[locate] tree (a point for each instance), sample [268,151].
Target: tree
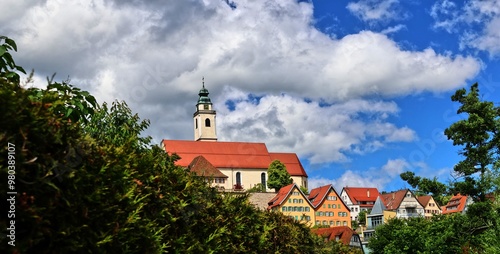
[479,136]
[426,186]
[87,182]
[362,217]
[278,176]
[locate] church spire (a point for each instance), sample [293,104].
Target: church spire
[204,117]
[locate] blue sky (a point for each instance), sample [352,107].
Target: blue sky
[360,89]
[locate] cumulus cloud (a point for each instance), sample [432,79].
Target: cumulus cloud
[153,55]
[373,177]
[322,133]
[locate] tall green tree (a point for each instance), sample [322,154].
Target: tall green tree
[278,176]
[479,136]
[427,186]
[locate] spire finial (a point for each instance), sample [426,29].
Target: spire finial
[203,81]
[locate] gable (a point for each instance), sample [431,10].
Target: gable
[361,194]
[284,194]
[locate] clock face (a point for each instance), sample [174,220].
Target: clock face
[205,106]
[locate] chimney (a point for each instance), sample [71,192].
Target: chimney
[368,192]
[393,195]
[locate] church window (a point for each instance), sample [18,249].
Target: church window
[196,123]
[238,174]
[207,122]
[263,180]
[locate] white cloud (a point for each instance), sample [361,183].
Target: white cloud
[153,54]
[476,22]
[393,29]
[320,133]
[373,177]
[375,10]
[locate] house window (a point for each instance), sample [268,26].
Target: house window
[283,209]
[345,223]
[334,206]
[338,223]
[317,222]
[324,222]
[331,223]
[263,180]
[238,175]
[207,122]
[307,209]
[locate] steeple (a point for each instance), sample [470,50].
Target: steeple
[204,117]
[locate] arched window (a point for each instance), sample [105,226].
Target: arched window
[263,180]
[207,122]
[238,174]
[196,122]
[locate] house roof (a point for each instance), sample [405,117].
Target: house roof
[378,207]
[202,167]
[283,193]
[318,195]
[232,155]
[393,200]
[362,194]
[457,201]
[343,233]
[424,200]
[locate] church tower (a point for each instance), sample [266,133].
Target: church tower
[204,117]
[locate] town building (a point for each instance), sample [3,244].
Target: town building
[342,234]
[244,164]
[359,199]
[431,208]
[292,202]
[404,203]
[457,204]
[378,215]
[329,208]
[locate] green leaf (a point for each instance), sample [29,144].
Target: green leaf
[11,43]
[2,50]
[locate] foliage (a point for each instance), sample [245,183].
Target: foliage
[362,217]
[304,190]
[8,67]
[479,135]
[278,176]
[88,183]
[426,186]
[257,188]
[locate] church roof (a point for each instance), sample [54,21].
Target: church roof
[291,161]
[232,155]
[202,167]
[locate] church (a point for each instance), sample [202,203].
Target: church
[229,166]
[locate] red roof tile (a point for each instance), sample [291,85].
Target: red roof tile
[343,233]
[317,195]
[291,161]
[232,155]
[393,200]
[362,194]
[455,205]
[202,167]
[283,193]
[424,200]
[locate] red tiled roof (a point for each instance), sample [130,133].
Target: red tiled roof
[232,155]
[457,201]
[202,167]
[393,200]
[317,195]
[360,194]
[291,161]
[283,193]
[424,200]
[342,232]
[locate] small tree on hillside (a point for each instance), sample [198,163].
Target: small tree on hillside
[278,175]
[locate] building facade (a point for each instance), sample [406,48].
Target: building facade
[329,208]
[292,202]
[404,203]
[359,199]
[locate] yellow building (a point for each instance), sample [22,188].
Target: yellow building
[431,208]
[329,208]
[292,202]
